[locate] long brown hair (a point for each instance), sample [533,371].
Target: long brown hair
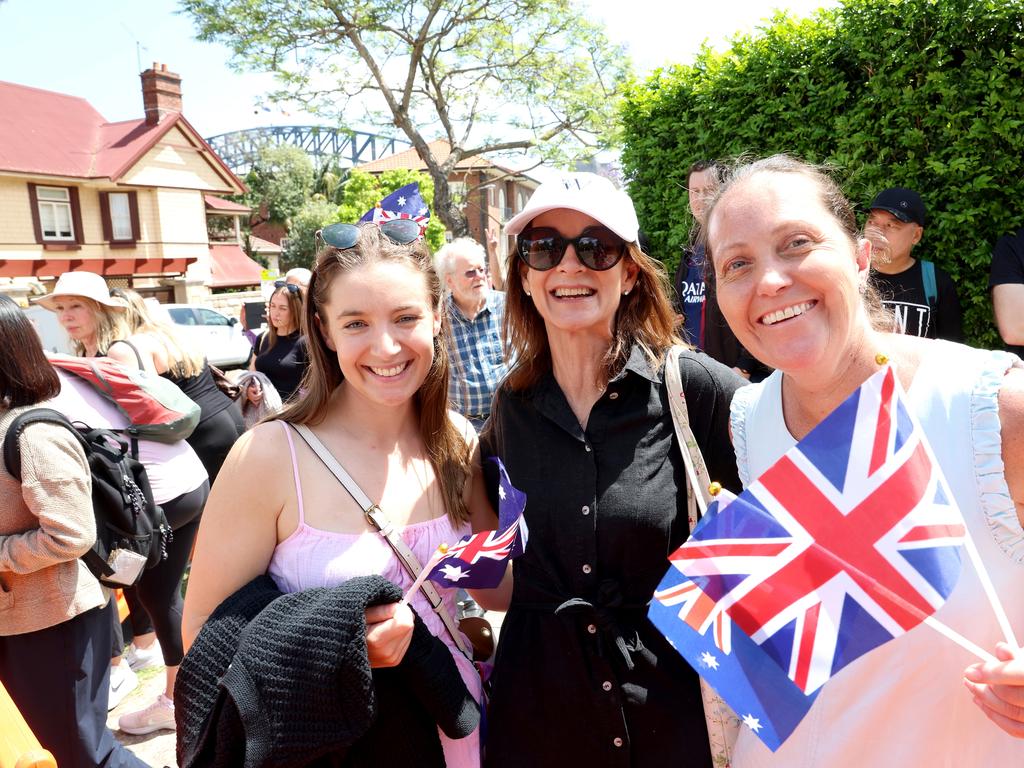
[295,302]
[644,317]
[446,447]
[26,376]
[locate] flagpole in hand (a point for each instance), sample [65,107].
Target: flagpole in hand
[442,550]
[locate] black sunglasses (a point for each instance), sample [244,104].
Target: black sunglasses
[398,231]
[292,287]
[597,248]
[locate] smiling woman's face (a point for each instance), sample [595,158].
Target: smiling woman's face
[787,272]
[570,297]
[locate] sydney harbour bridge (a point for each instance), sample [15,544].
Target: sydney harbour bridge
[347,148]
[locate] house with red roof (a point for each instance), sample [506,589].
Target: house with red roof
[127,200]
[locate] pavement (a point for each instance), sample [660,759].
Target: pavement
[157,748]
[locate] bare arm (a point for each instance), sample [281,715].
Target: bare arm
[1011,419]
[494,261]
[1008,303]
[239,530]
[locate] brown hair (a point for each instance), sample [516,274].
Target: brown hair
[834,201]
[446,447]
[26,376]
[644,317]
[182,361]
[295,302]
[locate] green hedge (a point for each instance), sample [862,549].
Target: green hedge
[916,93]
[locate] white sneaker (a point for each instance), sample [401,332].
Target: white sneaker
[144,658]
[122,682]
[157,716]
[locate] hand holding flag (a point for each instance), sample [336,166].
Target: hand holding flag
[849,540]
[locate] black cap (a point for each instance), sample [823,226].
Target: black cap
[904,204]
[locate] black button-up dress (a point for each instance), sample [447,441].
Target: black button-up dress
[581,676]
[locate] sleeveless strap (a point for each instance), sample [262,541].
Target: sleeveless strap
[295,471]
[376,517]
[721,722]
[134,349]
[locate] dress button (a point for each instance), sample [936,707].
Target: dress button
[585,510]
[606,685]
[617,741]
[588,449]
[591,629]
[586,568]
[613,396]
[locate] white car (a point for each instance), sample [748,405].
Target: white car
[219,336]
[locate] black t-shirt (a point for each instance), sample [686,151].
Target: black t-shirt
[285,363]
[1008,268]
[606,506]
[904,295]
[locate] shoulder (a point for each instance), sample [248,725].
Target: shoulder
[1009,247]
[701,373]
[262,448]
[465,428]
[48,451]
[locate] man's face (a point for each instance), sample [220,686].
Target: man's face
[900,236]
[468,279]
[701,186]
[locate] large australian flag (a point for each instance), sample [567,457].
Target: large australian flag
[849,540]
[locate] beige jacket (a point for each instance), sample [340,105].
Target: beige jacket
[46,523]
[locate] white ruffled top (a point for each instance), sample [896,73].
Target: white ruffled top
[904,703]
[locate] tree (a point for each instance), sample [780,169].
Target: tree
[488,75]
[917,93]
[280,182]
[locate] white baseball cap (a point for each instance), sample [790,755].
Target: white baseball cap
[587,193]
[86,284]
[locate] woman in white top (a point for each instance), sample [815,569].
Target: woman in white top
[791,273]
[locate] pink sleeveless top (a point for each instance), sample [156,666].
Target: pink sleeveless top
[311,557]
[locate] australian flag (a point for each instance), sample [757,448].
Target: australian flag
[404,203]
[479,561]
[851,539]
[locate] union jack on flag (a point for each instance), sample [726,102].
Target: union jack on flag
[849,540]
[479,561]
[403,203]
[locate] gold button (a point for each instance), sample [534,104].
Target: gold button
[613,396]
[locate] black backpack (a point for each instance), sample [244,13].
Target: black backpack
[131,530]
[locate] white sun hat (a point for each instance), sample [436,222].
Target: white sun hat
[86,284]
[587,193]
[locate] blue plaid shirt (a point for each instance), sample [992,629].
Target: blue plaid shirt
[478,363]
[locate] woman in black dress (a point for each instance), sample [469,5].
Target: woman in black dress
[281,352]
[583,425]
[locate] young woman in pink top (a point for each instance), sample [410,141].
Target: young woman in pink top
[376,396]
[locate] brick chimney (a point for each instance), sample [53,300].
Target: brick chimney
[161,92]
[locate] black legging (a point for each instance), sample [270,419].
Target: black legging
[159,589]
[214,436]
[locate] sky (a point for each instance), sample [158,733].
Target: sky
[97,48]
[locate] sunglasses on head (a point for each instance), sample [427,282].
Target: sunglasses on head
[597,248]
[345,236]
[292,287]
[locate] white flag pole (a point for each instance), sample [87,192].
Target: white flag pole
[990,591]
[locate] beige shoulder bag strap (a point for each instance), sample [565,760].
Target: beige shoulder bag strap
[722,723]
[376,517]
